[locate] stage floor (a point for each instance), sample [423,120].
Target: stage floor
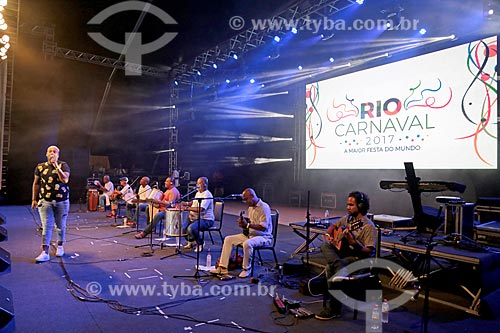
[137,293]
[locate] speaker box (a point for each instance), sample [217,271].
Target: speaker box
[490,305]
[3,234]
[4,260]
[6,307]
[293,267]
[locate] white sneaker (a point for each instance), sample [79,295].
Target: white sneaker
[245,273]
[44,256]
[60,251]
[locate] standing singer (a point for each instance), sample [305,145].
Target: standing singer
[50,193]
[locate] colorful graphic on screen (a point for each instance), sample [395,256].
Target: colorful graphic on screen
[437,110]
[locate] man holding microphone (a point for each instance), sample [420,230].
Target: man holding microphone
[50,193]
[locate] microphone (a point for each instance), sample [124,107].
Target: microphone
[197,187]
[236,196]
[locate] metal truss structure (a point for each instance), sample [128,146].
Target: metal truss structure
[301,14]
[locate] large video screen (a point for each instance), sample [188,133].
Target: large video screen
[438,110]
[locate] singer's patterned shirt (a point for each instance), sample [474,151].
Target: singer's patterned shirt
[51,187]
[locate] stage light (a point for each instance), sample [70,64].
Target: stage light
[452,37]
[176,82]
[491,12]
[360,2]
[235,56]
[252,80]
[228,81]
[277,39]
[331,60]
[423,31]
[198,72]
[294,31]
[299,68]
[214,66]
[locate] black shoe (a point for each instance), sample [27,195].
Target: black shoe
[327,314]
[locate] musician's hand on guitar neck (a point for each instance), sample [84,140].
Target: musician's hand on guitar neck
[350,237]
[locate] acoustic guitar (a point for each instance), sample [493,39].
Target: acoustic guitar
[246,231]
[339,233]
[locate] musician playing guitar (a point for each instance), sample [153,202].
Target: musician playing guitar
[349,239]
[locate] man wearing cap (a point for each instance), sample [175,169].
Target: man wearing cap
[126,193]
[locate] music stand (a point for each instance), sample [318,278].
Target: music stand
[149,254]
[196,274]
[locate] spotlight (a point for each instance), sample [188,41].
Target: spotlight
[228,81]
[176,82]
[294,31]
[214,66]
[299,68]
[235,56]
[491,12]
[360,2]
[252,80]
[198,73]
[277,39]
[331,59]
[423,31]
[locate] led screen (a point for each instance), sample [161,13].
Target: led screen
[437,110]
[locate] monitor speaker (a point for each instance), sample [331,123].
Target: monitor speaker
[6,307]
[4,260]
[3,234]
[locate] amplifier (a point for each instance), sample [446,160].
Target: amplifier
[393,222]
[488,233]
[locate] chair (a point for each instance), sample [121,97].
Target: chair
[274,218]
[218,215]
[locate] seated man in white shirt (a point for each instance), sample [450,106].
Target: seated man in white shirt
[126,194]
[106,190]
[257,231]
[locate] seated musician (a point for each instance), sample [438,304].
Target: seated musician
[126,193]
[168,200]
[141,196]
[201,215]
[106,190]
[257,231]
[349,239]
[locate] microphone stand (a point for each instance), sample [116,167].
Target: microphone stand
[308,230]
[196,274]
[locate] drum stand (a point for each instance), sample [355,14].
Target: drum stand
[196,274]
[178,247]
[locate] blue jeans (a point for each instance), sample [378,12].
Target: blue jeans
[193,233]
[160,216]
[102,201]
[144,207]
[53,213]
